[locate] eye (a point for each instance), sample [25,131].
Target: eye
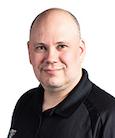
[62,46]
[40,48]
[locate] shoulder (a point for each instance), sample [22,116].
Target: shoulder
[26,101]
[101,108]
[102,101]
[27,96]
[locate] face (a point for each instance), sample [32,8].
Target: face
[56,53]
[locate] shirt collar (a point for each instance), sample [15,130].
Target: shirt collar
[72,101]
[75,97]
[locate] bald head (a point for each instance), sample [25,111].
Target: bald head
[50,14]
[55,45]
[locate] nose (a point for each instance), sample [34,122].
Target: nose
[52,56]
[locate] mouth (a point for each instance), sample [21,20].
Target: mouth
[52,71]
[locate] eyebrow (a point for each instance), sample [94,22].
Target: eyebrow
[58,43]
[40,43]
[61,42]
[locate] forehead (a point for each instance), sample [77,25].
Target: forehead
[54,22]
[54,12]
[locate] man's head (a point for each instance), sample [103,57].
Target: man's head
[46,12]
[56,50]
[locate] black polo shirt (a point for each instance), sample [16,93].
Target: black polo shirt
[87,112]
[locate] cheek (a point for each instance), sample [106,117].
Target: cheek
[35,59]
[71,58]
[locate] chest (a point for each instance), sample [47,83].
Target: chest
[78,125]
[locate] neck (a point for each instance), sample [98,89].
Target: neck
[52,99]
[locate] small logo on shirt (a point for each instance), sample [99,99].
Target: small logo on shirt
[12,133]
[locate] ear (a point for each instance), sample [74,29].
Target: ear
[82,49]
[29,51]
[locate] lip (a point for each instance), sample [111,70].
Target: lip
[51,71]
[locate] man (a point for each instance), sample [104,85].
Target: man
[66,104]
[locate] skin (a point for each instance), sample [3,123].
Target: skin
[56,52]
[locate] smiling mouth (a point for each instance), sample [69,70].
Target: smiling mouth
[51,71]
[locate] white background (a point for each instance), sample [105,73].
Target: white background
[97,19]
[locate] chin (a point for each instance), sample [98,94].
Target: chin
[53,85]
